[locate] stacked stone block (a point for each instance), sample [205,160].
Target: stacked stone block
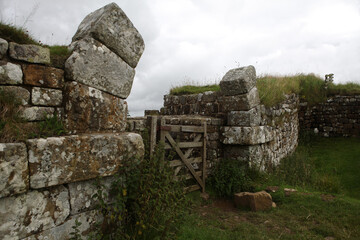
[338,116]
[46,184]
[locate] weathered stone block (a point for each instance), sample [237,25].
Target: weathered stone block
[32,212]
[247,135]
[94,65]
[29,53]
[238,81]
[42,76]
[88,221]
[244,118]
[3,47]
[37,113]
[14,173]
[242,102]
[81,194]
[21,93]
[58,160]
[46,96]
[258,201]
[88,109]
[10,74]
[112,27]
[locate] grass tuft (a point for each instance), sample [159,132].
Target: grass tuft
[58,55]
[189,89]
[19,35]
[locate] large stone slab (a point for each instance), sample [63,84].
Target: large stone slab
[3,47]
[243,102]
[58,160]
[88,109]
[32,212]
[10,73]
[249,118]
[238,81]
[14,172]
[94,65]
[247,135]
[37,113]
[20,93]
[112,27]
[46,96]
[81,194]
[42,76]
[29,53]
[88,223]
[259,201]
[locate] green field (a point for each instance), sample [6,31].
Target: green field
[310,213]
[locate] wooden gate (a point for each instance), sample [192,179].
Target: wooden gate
[184,150]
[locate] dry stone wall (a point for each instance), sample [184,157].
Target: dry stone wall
[338,116]
[48,183]
[251,132]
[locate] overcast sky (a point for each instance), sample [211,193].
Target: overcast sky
[198,41]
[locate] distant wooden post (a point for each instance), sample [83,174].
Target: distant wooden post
[153,125]
[204,156]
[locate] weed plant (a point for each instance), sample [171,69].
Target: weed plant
[146,201]
[19,35]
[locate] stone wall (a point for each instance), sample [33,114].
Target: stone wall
[48,183]
[338,116]
[251,132]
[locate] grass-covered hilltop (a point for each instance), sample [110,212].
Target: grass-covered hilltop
[311,88]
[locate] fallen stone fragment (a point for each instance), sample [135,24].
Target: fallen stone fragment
[59,160]
[10,74]
[46,96]
[3,47]
[43,76]
[112,27]
[238,81]
[29,53]
[14,172]
[94,65]
[32,212]
[272,189]
[289,191]
[259,201]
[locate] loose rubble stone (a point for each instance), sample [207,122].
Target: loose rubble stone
[81,194]
[32,212]
[3,47]
[29,53]
[289,191]
[88,222]
[21,93]
[10,74]
[242,102]
[46,96]
[112,27]
[247,135]
[37,113]
[238,81]
[14,173]
[89,109]
[94,65]
[249,118]
[42,76]
[58,160]
[258,201]
[272,189]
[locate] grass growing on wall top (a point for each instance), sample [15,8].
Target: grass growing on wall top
[309,87]
[11,33]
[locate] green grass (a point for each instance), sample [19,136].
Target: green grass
[309,87]
[11,33]
[189,89]
[327,204]
[16,34]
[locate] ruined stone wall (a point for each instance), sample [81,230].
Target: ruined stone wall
[251,132]
[48,183]
[338,116]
